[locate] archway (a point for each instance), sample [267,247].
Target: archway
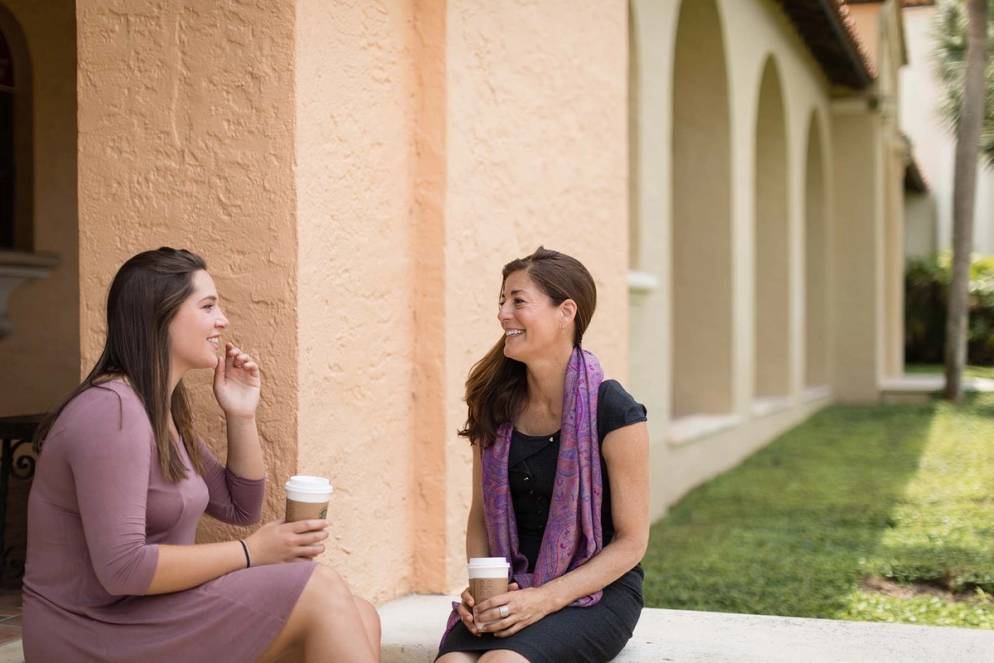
[701,238]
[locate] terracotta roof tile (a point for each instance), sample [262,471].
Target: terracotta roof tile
[904,3]
[828,30]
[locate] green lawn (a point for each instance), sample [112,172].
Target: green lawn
[882,513]
[969,371]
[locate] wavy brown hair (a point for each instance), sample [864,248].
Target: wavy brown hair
[146,293]
[497,387]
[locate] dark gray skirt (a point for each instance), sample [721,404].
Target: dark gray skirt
[586,635]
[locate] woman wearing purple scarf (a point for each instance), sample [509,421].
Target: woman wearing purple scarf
[560,481]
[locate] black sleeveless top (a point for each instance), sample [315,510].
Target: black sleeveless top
[532,468]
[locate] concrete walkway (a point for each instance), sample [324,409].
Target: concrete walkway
[920,387]
[413,625]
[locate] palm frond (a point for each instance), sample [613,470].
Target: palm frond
[949,64]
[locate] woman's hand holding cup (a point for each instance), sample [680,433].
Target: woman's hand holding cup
[278,541]
[465,610]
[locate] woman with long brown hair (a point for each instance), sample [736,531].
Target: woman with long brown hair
[560,481]
[113,572]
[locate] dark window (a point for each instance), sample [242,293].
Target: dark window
[7,159]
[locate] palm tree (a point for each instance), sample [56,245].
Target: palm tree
[967,111]
[949,37]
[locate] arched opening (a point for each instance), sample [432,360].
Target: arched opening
[701,235]
[16,162]
[772,242]
[815,262]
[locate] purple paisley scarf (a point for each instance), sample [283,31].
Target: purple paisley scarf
[573,530]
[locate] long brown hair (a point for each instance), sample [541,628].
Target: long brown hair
[146,293]
[497,387]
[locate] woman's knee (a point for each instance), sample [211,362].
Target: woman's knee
[458,657]
[326,576]
[502,656]
[326,590]
[369,615]
[324,594]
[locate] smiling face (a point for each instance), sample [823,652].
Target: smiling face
[195,331]
[534,325]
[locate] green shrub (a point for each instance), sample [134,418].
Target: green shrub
[926,285]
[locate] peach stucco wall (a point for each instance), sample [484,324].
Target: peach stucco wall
[40,359]
[357,175]
[435,143]
[356,106]
[186,139]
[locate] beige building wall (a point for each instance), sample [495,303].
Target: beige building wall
[857,262]
[921,224]
[881,28]
[45,313]
[651,47]
[688,450]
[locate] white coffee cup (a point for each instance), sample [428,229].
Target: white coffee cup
[307,497]
[487,577]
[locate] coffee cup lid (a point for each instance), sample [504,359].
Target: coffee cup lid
[489,561]
[304,483]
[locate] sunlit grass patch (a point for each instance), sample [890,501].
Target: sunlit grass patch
[870,513]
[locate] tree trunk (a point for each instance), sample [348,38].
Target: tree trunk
[964,189]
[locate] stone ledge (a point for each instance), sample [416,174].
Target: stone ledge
[697,426]
[11,652]
[767,405]
[923,385]
[413,625]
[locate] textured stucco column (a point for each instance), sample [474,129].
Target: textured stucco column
[432,396]
[858,251]
[186,139]
[368,410]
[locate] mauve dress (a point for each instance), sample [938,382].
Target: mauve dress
[99,507]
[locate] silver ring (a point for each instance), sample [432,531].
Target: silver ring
[504,612]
